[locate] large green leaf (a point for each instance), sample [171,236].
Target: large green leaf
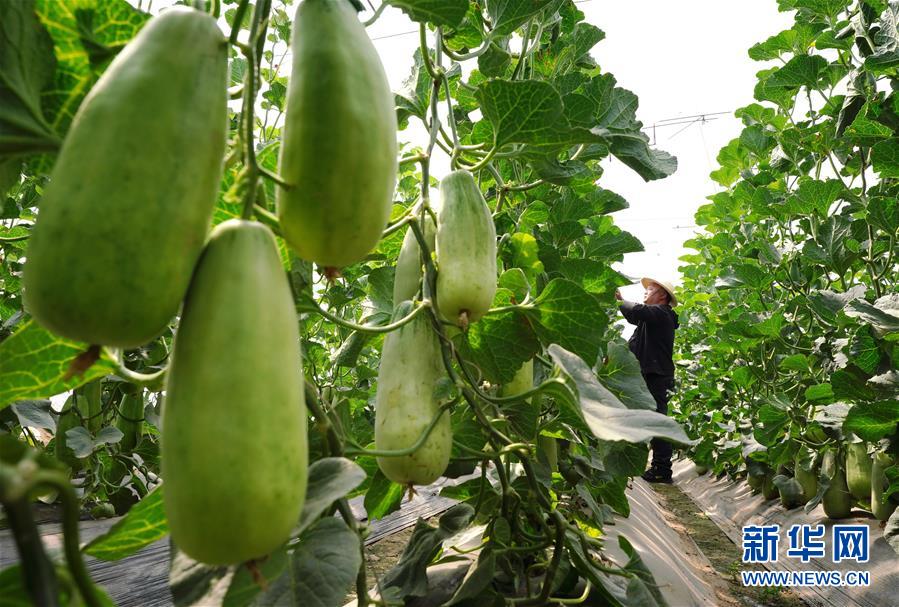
[27,65]
[873,421]
[144,524]
[621,373]
[36,364]
[500,342]
[508,15]
[438,12]
[320,569]
[86,35]
[882,316]
[605,415]
[408,577]
[329,479]
[567,315]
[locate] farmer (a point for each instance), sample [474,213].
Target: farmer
[653,343]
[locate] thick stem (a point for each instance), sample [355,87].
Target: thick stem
[37,569]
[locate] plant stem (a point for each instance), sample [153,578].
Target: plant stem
[412,448]
[238,20]
[37,569]
[314,307]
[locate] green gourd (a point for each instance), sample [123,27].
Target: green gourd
[837,501]
[466,250]
[234,446]
[410,368]
[858,471]
[123,219]
[129,419]
[805,473]
[881,509]
[407,279]
[338,146]
[769,489]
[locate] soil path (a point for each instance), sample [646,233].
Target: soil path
[688,520]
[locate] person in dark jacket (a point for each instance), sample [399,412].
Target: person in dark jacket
[653,344]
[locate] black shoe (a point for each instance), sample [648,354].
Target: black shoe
[654,475]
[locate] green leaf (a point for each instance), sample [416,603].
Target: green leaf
[650,164]
[329,479]
[882,316]
[819,392]
[885,157]
[408,577]
[815,196]
[85,37]
[611,244]
[883,213]
[625,459]
[82,444]
[780,84]
[477,580]
[495,61]
[383,497]
[14,593]
[796,40]
[35,364]
[416,92]
[524,253]
[501,342]
[605,415]
[35,413]
[873,421]
[567,315]
[27,65]
[621,374]
[322,567]
[531,112]
[795,362]
[194,583]
[247,584]
[439,12]
[508,15]
[864,352]
[593,276]
[144,524]
[642,585]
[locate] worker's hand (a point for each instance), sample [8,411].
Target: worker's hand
[617,294]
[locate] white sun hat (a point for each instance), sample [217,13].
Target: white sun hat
[669,287]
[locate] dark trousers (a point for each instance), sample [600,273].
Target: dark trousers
[659,386]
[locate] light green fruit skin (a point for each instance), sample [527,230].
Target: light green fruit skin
[807,478]
[129,420]
[522,381]
[882,511]
[89,402]
[407,279]
[769,489]
[837,501]
[234,446]
[124,217]
[466,249]
[339,138]
[700,469]
[858,471]
[410,368]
